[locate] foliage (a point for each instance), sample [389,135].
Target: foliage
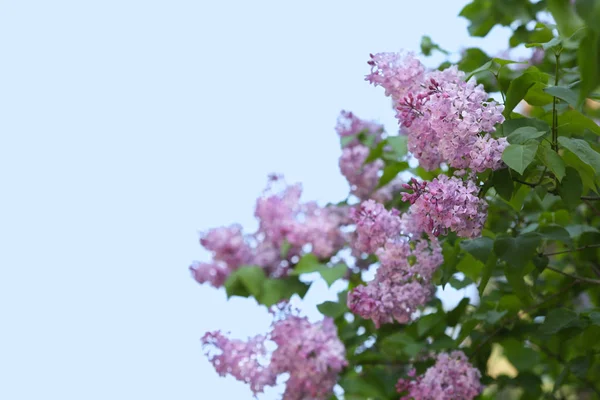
[533,331]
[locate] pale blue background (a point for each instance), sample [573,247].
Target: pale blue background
[128,125]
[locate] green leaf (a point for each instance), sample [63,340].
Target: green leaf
[470,266]
[588,57]
[473,57]
[491,316]
[485,67]
[546,45]
[575,123]
[310,263]
[519,87]
[427,322]
[564,15]
[503,183]
[595,317]
[577,230]
[390,172]
[556,233]
[540,34]
[332,274]
[403,342]
[570,188]
[589,178]
[523,358]
[427,46]
[560,379]
[564,93]
[580,366]
[487,272]
[552,160]
[275,290]
[514,276]
[346,140]
[376,152]
[518,198]
[480,247]
[448,268]
[524,134]
[458,284]
[307,264]
[537,97]
[510,125]
[453,317]
[582,149]
[443,342]
[558,319]
[332,309]
[358,389]
[504,61]
[518,156]
[540,262]
[589,11]
[245,281]
[517,252]
[398,145]
[285,248]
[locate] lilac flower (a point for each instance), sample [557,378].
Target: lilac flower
[402,282]
[276,214]
[228,245]
[374,225]
[397,73]
[215,273]
[384,301]
[310,353]
[452,377]
[486,152]
[321,229]
[363,178]
[448,204]
[282,219]
[442,114]
[349,125]
[242,360]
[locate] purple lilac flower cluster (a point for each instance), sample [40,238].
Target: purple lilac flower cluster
[282,219]
[447,204]
[452,377]
[447,120]
[443,115]
[310,353]
[407,262]
[363,178]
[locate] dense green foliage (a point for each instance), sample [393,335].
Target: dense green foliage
[535,331]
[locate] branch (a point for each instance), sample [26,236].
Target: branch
[590,205]
[593,198]
[554,113]
[589,246]
[525,183]
[577,277]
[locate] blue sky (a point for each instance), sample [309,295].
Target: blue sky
[127,126]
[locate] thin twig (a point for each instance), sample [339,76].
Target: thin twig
[525,183]
[554,113]
[590,205]
[577,277]
[592,198]
[589,246]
